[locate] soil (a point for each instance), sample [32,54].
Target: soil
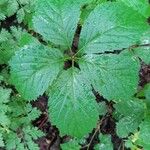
[8,22]
[144,75]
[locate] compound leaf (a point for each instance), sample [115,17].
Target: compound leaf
[4,98]
[4,118]
[74,102]
[22,113]
[72,106]
[24,141]
[12,140]
[34,68]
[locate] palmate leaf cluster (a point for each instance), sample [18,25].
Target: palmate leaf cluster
[107,27]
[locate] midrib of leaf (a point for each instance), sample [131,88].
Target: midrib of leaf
[73,92]
[73,79]
[61,108]
[65,36]
[74,100]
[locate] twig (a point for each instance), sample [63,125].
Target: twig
[97,130]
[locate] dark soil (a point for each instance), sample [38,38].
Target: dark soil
[144,75]
[75,42]
[8,22]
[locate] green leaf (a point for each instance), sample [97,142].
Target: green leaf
[29,10]
[133,113]
[4,118]
[147,92]
[10,42]
[25,2]
[105,143]
[33,132]
[88,7]
[24,139]
[102,108]
[71,145]
[71,98]
[72,106]
[4,95]
[22,113]
[2,16]
[127,125]
[12,7]
[111,27]
[56,21]
[1,141]
[4,99]
[142,6]
[144,51]
[129,143]
[20,15]
[113,76]
[8,8]
[5,48]
[144,134]
[11,140]
[34,68]
[1,78]
[2,2]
